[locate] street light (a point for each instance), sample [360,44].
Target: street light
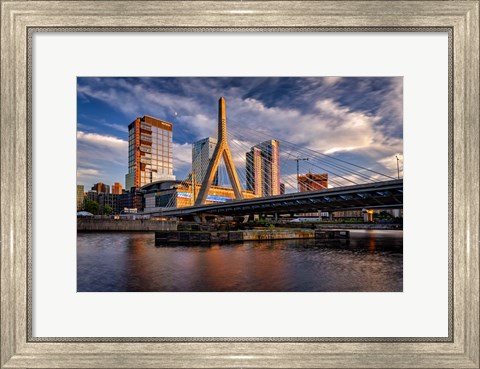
[298,171]
[398,168]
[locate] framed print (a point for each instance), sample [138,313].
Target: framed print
[240,184]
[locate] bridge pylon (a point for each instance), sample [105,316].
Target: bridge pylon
[221,150]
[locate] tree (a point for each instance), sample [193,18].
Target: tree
[385,215]
[107,210]
[92,207]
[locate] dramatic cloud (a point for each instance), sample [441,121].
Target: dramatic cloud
[100,158]
[358,120]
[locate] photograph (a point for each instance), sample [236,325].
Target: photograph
[239,184]
[238,171]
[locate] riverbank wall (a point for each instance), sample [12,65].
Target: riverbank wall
[377,226]
[124,225]
[185,237]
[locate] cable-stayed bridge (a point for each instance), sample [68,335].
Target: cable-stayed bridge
[388,194]
[268,176]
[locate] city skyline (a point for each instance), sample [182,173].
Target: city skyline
[352,118]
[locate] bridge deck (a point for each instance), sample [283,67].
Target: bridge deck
[386,194]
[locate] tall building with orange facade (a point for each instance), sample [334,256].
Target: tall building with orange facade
[149,152]
[313,182]
[117,188]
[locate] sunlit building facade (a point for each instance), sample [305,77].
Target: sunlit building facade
[149,152]
[178,194]
[117,188]
[101,187]
[313,182]
[80,197]
[263,169]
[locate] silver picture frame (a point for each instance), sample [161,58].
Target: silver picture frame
[19,22]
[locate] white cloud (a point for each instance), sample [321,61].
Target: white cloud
[87,172]
[330,81]
[182,153]
[330,128]
[88,176]
[94,147]
[182,160]
[95,151]
[102,140]
[199,124]
[118,127]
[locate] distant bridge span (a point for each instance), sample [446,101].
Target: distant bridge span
[386,194]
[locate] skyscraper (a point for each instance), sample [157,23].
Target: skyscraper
[202,152]
[263,168]
[254,171]
[149,152]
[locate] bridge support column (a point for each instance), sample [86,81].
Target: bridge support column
[367,215]
[221,150]
[200,218]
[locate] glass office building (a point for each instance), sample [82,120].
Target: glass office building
[202,152]
[149,152]
[263,169]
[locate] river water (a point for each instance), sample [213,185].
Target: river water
[371,260]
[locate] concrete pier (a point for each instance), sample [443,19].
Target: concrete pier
[331,234]
[189,237]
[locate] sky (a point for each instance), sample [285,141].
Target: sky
[355,119]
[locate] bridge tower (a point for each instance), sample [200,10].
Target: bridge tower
[221,150]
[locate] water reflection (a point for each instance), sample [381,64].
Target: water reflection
[368,261]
